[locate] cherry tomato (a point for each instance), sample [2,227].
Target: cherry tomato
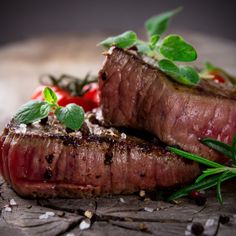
[217,77]
[88,101]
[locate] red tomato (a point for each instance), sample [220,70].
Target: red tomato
[217,77]
[88,101]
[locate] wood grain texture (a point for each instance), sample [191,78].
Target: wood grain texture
[116,217]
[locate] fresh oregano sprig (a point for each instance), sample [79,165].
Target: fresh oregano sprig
[72,115]
[166,52]
[213,176]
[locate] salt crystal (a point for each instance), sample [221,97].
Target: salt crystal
[12,202]
[46,215]
[148,209]
[122,200]
[43,216]
[85,224]
[7,208]
[70,234]
[209,222]
[123,136]
[21,129]
[50,213]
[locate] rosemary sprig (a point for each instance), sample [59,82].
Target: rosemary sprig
[213,176]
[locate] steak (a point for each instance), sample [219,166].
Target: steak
[43,160]
[137,95]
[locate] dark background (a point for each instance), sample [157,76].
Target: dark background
[23,19]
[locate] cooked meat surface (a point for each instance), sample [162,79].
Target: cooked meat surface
[135,94]
[42,160]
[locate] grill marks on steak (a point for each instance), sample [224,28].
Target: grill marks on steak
[46,162]
[137,95]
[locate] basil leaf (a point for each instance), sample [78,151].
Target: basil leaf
[32,111]
[175,48]
[182,74]
[50,96]
[154,39]
[125,40]
[159,23]
[72,116]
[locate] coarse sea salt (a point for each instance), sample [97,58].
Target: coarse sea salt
[46,215]
[85,224]
[122,200]
[21,129]
[7,208]
[148,209]
[70,234]
[12,202]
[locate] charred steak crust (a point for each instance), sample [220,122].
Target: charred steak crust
[45,162]
[139,96]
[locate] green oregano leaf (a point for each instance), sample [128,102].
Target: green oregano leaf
[32,111]
[209,67]
[188,75]
[175,48]
[169,68]
[125,40]
[72,116]
[159,23]
[182,74]
[154,39]
[50,96]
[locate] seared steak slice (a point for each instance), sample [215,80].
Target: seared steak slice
[135,94]
[45,161]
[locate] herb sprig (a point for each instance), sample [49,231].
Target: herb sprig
[72,116]
[213,176]
[166,52]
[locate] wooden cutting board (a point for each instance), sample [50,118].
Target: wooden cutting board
[21,64]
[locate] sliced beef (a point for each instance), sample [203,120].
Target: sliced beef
[135,94]
[45,161]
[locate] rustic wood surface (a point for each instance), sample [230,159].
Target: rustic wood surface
[118,215]
[21,64]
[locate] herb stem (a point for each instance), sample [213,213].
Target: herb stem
[195,157]
[206,184]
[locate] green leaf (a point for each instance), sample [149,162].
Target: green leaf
[32,111]
[50,96]
[125,40]
[154,39]
[234,148]
[175,48]
[219,146]
[209,67]
[218,187]
[144,48]
[182,74]
[208,172]
[72,116]
[188,75]
[169,68]
[194,157]
[159,23]
[206,184]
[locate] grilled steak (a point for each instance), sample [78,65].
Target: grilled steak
[42,160]
[135,94]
